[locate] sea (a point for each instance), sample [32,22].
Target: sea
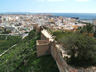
[82,16]
[89,17]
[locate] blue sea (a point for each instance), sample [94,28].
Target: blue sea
[82,16]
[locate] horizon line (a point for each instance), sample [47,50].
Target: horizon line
[43,12]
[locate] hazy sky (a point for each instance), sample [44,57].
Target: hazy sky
[63,6]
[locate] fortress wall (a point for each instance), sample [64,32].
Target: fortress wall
[51,48]
[43,50]
[42,47]
[46,47]
[61,63]
[43,37]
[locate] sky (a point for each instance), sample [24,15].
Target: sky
[48,6]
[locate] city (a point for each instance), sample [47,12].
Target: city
[49,26]
[47,36]
[21,24]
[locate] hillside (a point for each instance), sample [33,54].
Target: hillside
[23,58]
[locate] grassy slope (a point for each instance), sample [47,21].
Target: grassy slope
[7,43]
[59,34]
[4,45]
[23,58]
[35,64]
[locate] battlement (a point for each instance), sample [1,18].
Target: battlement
[43,47]
[47,45]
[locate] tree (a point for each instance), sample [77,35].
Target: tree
[95,34]
[82,49]
[88,28]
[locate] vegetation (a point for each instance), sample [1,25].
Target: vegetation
[59,35]
[23,58]
[4,31]
[8,41]
[81,48]
[95,34]
[87,29]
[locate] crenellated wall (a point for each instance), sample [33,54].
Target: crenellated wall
[43,47]
[57,55]
[47,45]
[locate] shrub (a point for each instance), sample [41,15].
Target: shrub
[87,29]
[82,49]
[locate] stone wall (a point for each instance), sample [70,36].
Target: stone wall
[61,63]
[43,47]
[50,48]
[36,27]
[43,37]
